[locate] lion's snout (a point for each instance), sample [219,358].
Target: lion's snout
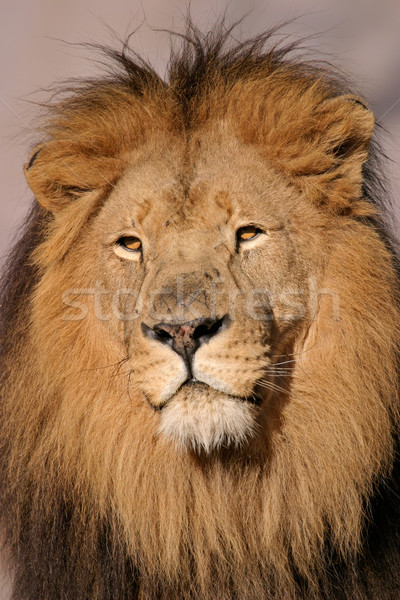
[194,325]
[186,295]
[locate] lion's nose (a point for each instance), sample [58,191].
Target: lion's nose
[185,338]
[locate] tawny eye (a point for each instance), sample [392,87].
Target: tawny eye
[245,234]
[133,244]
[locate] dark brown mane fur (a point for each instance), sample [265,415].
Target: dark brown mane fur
[61,545]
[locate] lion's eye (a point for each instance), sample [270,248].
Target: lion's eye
[128,247]
[133,244]
[245,234]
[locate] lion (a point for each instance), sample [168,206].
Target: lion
[200,338]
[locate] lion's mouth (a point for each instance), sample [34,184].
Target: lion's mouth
[195,388]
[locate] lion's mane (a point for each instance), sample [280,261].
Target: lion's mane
[93,504]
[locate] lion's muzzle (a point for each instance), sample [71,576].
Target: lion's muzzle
[186,338]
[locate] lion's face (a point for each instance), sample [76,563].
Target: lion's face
[202,281]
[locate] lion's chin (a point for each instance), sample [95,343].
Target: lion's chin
[200,418]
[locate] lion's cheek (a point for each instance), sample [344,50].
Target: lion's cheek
[227,372]
[160,376]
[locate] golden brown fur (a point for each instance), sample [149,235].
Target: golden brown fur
[209,496]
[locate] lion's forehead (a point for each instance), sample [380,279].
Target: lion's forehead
[196,189]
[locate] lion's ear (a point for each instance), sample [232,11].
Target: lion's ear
[347,126]
[338,147]
[60,171]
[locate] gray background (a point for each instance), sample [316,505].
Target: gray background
[361,36]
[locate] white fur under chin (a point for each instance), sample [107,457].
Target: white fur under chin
[207,423]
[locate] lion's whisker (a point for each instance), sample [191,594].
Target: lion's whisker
[270,385]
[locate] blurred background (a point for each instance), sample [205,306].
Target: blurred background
[360,36]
